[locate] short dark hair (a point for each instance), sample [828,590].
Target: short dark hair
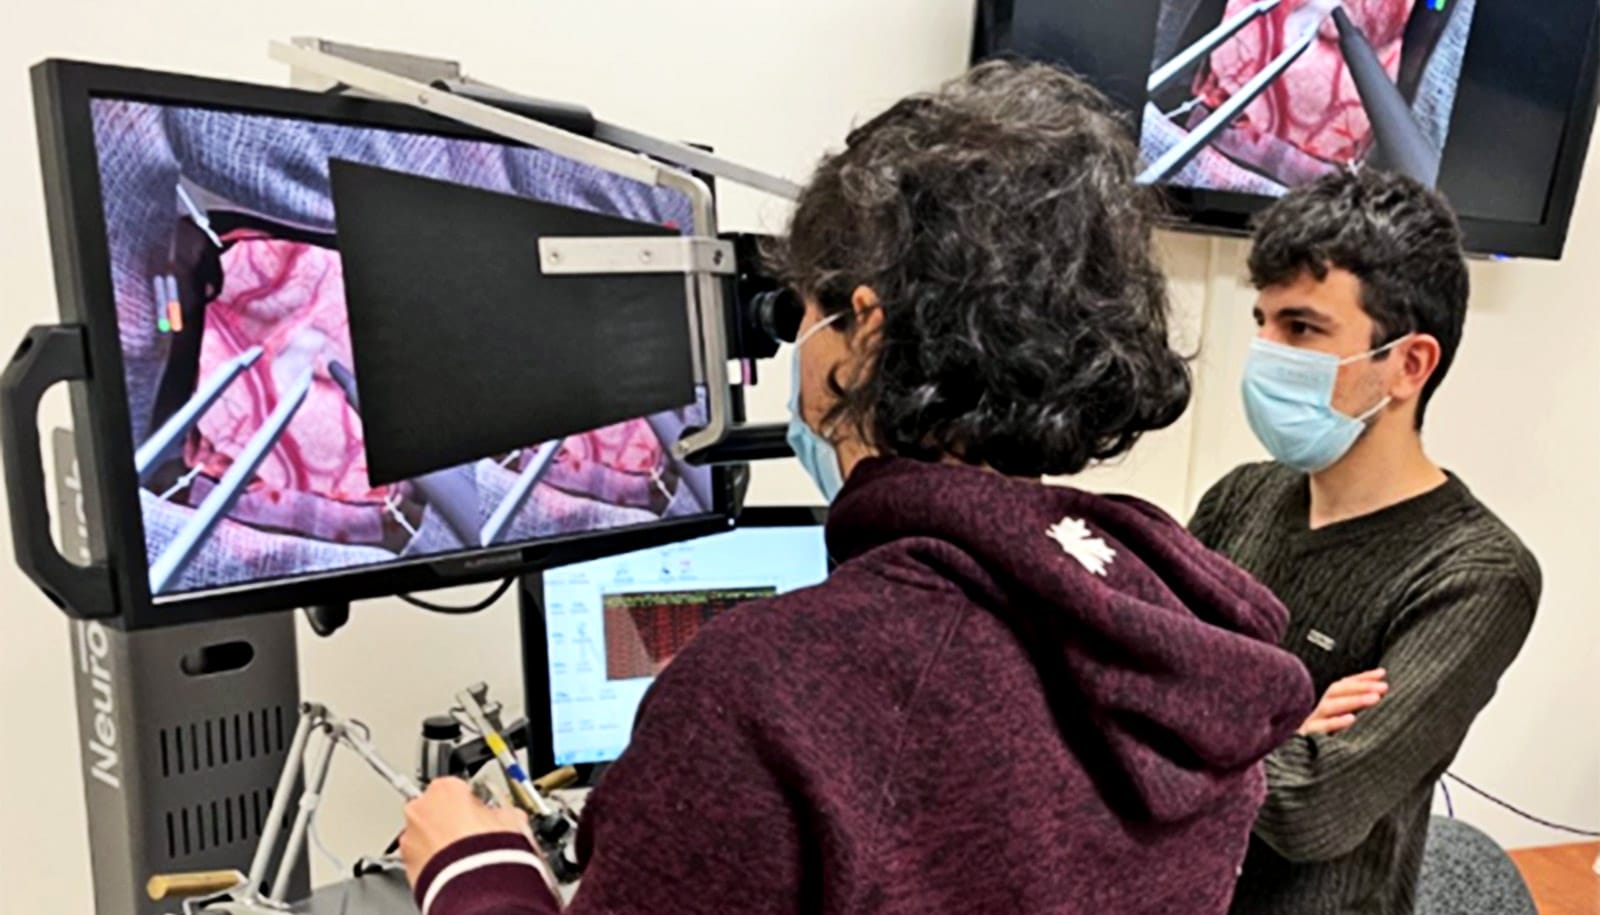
[1400,239]
[1024,314]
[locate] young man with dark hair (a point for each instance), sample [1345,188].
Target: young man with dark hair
[1408,598]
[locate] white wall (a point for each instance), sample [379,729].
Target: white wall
[774,83]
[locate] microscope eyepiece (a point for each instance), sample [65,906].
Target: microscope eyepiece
[778,313]
[765,313]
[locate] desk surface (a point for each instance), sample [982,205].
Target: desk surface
[1562,878]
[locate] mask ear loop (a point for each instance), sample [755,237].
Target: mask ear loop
[1376,409]
[827,434]
[830,319]
[1387,400]
[1371,354]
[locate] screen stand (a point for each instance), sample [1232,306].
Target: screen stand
[183,733]
[535,658]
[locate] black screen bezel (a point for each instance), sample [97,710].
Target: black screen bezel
[1231,214]
[536,648]
[63,91]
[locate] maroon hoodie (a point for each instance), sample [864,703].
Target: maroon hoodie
[1008,698]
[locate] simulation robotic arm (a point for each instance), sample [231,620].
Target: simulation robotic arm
[489,761]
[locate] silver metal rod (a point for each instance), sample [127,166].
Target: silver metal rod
[601,256]
[705,304]
[405,784]
[699,160]
[179,424]
[709,307]
[521,785]
[513,502]
[1173,69]
[1198,139]
[183,547]
[198,215]
[316,781]
[310,717]
[385,85]
[679,154]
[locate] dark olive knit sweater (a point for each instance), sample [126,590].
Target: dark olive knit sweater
[1437,591]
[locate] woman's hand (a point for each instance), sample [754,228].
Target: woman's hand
[445,814]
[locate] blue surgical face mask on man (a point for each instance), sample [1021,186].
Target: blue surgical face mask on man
[1288,398]
[816,454]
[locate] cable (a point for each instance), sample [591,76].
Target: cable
[1449,802]
[316,838]
[484,604]
[1518,811]
[317,843]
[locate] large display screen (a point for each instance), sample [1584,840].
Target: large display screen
[1237,101]
[244,406]
[613,624]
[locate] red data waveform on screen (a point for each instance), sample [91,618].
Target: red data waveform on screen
[644,632]
[1314,106]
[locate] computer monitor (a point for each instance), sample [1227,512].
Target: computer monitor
[596,633]
[222,428]
[1238,101]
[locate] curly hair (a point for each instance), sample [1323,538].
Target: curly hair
[1400,239]
[999,222]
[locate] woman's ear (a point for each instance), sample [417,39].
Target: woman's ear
[868,312]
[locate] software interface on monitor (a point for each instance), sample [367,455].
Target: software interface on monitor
[613,624]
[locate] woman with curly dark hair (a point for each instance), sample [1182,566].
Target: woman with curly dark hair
[1010,697]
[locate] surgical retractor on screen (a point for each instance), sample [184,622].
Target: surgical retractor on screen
[1400,139]
[170,565]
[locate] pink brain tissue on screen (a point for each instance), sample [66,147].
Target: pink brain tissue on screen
[1315,106]
[288,298]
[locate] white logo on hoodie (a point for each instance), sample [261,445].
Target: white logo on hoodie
[1076,541]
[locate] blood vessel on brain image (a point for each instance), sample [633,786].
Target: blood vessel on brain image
[1314,106]
[287,297]
[615,464]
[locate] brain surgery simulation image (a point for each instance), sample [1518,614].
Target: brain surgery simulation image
[1260,96]
[244,407]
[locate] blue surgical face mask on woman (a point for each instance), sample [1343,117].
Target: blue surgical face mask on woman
[816,454]
[1288,398]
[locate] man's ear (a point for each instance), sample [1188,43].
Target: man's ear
[1419,359]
